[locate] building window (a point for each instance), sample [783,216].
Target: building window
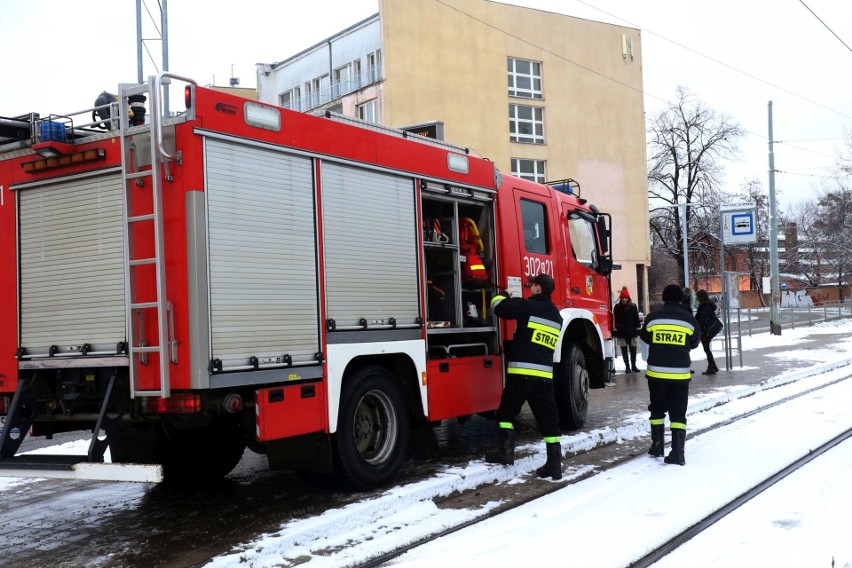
[367,112]
[524,78]
[318,91]
[374,66]
[343,83]
[529,169]
[291,99]
[357,80]
[526,124]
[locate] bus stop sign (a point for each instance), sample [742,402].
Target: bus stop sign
[739,223]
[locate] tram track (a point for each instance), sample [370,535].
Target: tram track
[733,505]
[843,373]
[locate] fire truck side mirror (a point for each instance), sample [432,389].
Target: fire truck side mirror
[605,266]
[603,234]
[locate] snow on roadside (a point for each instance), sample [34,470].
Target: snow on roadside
[296,541]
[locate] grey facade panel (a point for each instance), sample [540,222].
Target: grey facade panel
[262,255]
[72,265]
[370,239]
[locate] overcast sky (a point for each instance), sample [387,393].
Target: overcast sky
[735,55]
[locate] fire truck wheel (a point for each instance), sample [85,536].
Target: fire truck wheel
[571,384]
[372,429]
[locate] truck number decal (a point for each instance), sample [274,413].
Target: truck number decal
[534,266]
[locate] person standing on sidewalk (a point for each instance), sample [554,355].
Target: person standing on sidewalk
[706,316]
[671,333]
[625,316]
[529,374]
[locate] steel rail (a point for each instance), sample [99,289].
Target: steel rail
[683,537]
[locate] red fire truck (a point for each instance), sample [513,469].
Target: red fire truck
[186,285]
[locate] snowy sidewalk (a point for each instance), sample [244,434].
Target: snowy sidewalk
[615,518]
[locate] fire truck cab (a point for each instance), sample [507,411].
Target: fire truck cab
[240,275]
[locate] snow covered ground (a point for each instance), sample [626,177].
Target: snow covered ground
[613,518]
[616,517]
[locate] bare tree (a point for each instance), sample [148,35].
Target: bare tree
[688,145]
[805,258]
[834,224]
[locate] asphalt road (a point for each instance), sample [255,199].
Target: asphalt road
[61,523]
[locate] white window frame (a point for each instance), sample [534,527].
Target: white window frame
[533,77]
[374,66]
[369,111]
[291,99]
[538,167]
[343,82]
[525,129]
[358,81]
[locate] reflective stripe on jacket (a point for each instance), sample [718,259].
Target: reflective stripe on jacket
[671,333]
[536,334]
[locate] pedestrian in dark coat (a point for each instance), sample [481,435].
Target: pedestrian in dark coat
[705,314]
[671,333]
[529,373]
[625,317]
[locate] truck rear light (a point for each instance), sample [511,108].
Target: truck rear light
[178,403]
[187,96]
[5,403]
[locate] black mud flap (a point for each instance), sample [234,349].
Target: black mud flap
[605,372]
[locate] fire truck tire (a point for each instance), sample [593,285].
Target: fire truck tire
[571,386]
[372,429]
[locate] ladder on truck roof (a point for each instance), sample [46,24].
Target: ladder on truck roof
[143,222]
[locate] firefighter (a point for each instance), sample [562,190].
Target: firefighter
[529,374]
[671,333]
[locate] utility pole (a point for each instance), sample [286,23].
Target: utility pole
[164,38]
[774,294]
[682,208]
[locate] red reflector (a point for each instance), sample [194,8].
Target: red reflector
[179,403]
[5,403]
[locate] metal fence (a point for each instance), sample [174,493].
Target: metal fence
[789,317]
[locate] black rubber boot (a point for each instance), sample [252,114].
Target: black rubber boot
[505,453]
[658,432]
[626,362]
[633,360]
[553,467]
[678,442]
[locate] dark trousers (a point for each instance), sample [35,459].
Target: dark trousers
[669,396]
[705,343]
[538,393]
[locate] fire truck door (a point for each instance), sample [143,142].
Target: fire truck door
[589,289]
[537,245]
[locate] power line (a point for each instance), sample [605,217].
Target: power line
[714,60]
[826,25]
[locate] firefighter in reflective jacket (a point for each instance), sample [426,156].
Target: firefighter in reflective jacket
[529,374]
[671,333]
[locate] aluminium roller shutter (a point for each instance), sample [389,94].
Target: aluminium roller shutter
[71,240]
[370,231]
[262,255]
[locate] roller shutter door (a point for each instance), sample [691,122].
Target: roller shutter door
[262,255]
[371,254]
[72,265]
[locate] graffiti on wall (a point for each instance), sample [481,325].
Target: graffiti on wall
[796,299]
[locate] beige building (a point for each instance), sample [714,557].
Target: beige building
[543,95]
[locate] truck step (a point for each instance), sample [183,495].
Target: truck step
[42,461]
[76,467]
